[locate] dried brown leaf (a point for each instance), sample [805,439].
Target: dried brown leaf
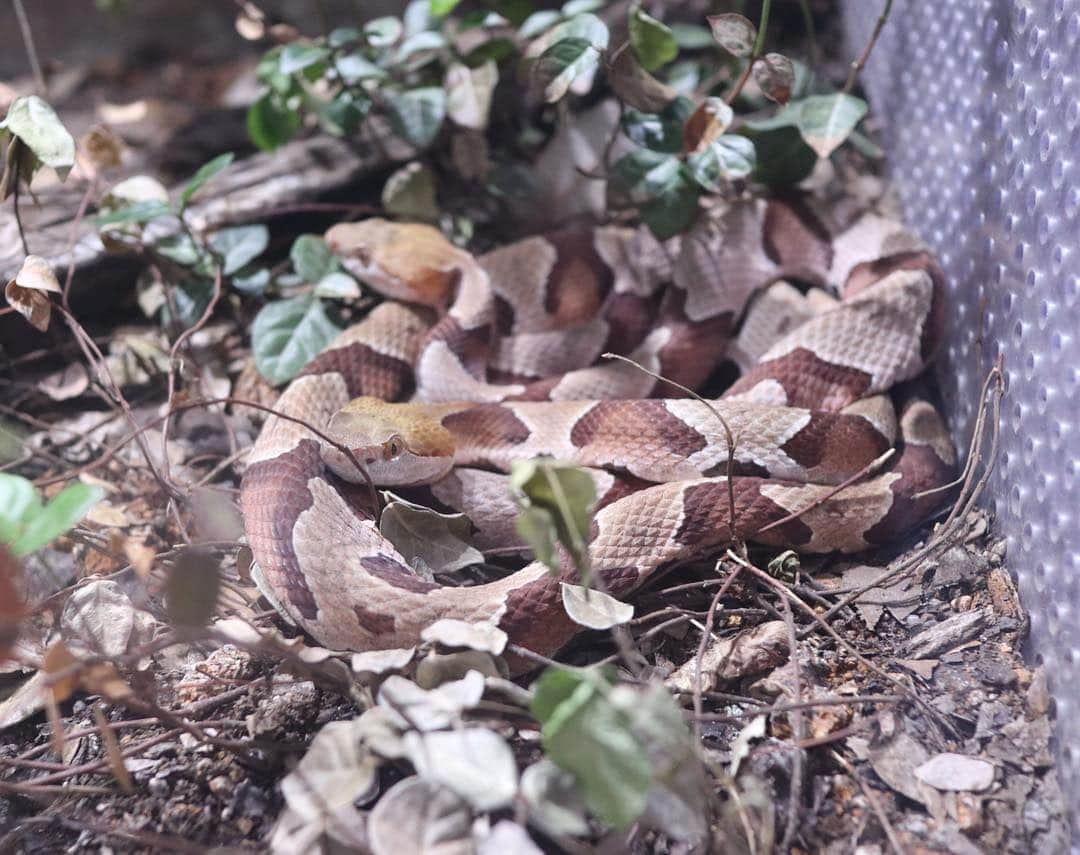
[636,87]
[251,22]
[59,660]
[775,76]
[27,292]
[706,125]
[191,588]
[69,382]
[103,147]
[734,33]
[140,555]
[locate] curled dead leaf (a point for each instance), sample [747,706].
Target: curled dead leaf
[103,147]
[27,292]
[774,74]
[250,22]
[636,87]
[60,665]
[706,125]
[752,651]
[140,555]
[69,382]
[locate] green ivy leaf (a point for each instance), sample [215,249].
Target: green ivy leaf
[204,174]
[726,159]
[19,501]
[39,525]
[342,37]
[382,32]
[442,8]
[783,157]
[190,299]
[578,7]
[425,41]
[538,23]
[561,64]
[34,121]
[585,734]
[641,176]
[409,193]
[311,258]
[142,212]
[288,334]
[343,114]
[251,282]
[581,25]
[270,123]
[427,538]
[417,114]
[353,67]
[298,56]
[674,210]
[567,495]
[239,245]
[663,131]
[692,36]
[825,121]
[653,41]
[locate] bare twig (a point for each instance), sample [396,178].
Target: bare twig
[706,634]
[31,50]
[15,211]
[783,591]
[858,65]
[798,729]
[886,826]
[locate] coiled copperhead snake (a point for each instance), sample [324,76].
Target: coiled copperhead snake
[499,359]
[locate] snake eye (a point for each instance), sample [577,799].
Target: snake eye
[395,446]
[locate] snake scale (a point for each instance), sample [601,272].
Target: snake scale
[498,358]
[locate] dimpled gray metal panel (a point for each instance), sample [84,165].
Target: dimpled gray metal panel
[980,100]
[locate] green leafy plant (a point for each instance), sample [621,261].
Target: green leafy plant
[28,522]
[627,747]
[556,502]
[287,332]
[430,76]
[35,137]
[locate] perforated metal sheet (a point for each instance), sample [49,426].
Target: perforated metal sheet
[981,103]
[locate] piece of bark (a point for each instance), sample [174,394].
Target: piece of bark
[752,651]
[949,633]
[251,190]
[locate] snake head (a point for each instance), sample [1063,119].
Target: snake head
[397,444]
[406,261]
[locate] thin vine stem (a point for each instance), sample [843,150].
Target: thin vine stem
[858,65]
[31,50]
[755,54]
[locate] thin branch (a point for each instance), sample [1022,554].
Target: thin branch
[798,730]
[886,826]
[858,65]
[15,209]
[31,50]
[703,645]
